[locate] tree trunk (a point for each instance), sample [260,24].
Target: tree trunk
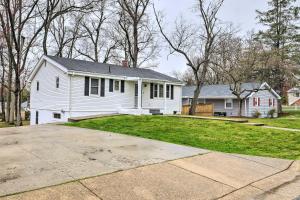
[195,100]
[12,109]
[240,107]
[9,96]
[2,90]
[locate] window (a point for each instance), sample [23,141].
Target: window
[56,115]
[161,91]
[256,101]
[297,94]
[168,91]
[37,86]
[228,103]
[57,82]
[94,86]
[117,85]
[155,90]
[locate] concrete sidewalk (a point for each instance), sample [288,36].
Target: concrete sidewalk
[208,176]
[57,162]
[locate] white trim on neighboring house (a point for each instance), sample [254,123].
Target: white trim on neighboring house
[268,86]
[225,106]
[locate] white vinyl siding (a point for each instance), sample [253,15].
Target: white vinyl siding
[158,103]
[111,102]
[264,107]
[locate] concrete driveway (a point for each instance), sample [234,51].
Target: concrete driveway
[100,165]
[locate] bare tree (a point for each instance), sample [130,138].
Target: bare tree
[99,43]
[139,40]
[236,60]
[196,44]
[55,8]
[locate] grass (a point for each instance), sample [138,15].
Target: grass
[5,125]
[209,134]
[292,120]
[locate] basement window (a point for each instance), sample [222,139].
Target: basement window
[56,115]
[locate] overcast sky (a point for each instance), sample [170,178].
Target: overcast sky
[240,12]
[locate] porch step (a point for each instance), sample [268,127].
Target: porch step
[78,119]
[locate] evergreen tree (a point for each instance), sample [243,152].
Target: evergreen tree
[281,36]
[282,27]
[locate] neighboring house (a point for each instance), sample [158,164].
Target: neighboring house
[225,103]
[62,88]
[294,96]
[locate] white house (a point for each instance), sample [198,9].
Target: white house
[226,104]
[294,96]
[62,88]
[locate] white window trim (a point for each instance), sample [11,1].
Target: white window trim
[95,95]
[225,106]
[158,91]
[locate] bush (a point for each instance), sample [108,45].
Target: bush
[256,114]
[271,113]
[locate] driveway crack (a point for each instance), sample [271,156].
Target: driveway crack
[250,184]
[91,191]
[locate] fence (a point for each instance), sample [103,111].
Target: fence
[201,109]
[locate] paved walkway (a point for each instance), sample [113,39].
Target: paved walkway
[139,169]
[283,129]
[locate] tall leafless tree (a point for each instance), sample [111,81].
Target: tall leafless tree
[99,43]
[139,41]
[196,44]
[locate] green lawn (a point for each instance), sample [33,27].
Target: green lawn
[292,120]
[209,134]
[5,125]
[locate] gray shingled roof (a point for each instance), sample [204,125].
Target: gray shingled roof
[215,91]
[100,68]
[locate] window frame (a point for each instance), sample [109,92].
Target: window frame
[225,104]
[98,91]
[160,91]
[57,114]
[116,85]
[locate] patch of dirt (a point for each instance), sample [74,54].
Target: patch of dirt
[14,142]
[93,151]
[8,177]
